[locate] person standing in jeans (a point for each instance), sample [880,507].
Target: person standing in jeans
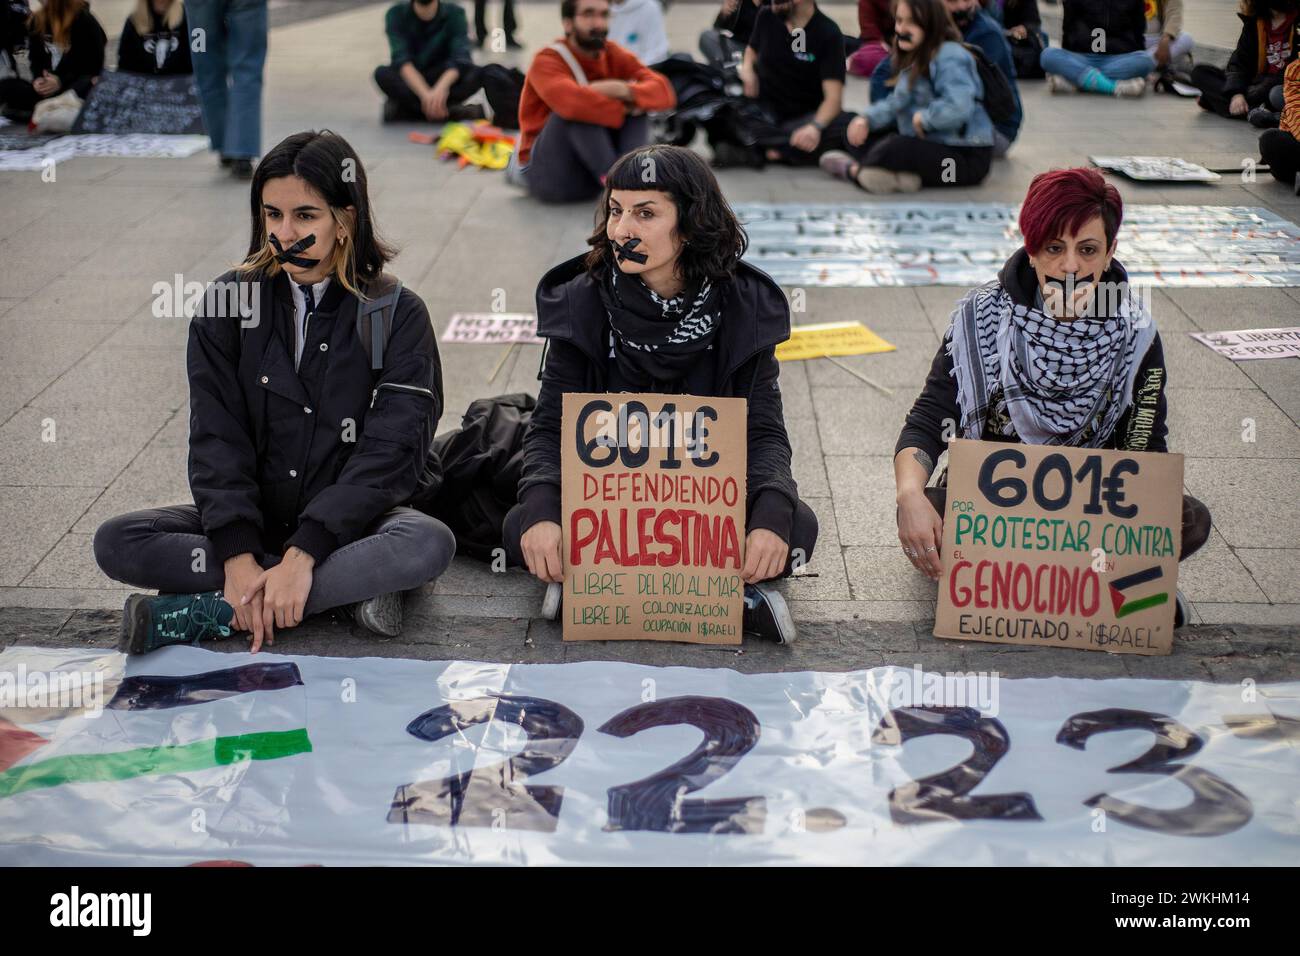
[229,46]
[311,430]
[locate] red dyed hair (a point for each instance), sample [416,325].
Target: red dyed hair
[1062,201]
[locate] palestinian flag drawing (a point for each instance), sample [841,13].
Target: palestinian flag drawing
[1118,588]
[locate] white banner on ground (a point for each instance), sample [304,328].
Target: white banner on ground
[199,756]
[1156,168]
[147,145]
[1243,344]
[965,244]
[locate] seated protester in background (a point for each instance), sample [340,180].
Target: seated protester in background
[583,106]
[796,89]
[693,318]
[1269,40]
[1118,29]
[981,30]
[931,130]
[1056,351]
[14,15]
[302,454]
[431,73]
[1165,39]
[638,27]
[1280,148]
[876,30]
[65,46]
[1023,28]
[155,39]
[726,41]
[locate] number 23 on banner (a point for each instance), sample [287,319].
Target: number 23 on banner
[497,795]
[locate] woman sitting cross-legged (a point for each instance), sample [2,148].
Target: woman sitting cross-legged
[310,427]
[1057,350]
[932,129]
[663,303]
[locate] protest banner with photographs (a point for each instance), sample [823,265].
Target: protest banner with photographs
[135,103]
[653,490]
[1061,547]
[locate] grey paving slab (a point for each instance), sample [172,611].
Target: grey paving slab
[863,489]
[154,478]
[29,625]
[69,598]
[877,611]
[73,298]
[1237,423]
[854,421]
[1274,376]
[34,520]
[1216,572]
[92,443]
[1190,363]
[1252,501]
[1213,311]
[903,368]
[70,563]
[35,354]
[1277,571]
[885,574]
[827,564]
[120,379]
[1286,615]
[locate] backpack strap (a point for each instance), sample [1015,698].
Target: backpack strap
[375,317]
[562,48]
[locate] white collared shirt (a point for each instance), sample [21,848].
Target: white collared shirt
[300,314]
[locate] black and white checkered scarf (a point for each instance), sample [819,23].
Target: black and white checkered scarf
[1047,382]
[658,339]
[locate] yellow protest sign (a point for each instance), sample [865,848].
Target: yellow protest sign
[830,338]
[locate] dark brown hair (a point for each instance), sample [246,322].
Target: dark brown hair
[932,17]
[713,239]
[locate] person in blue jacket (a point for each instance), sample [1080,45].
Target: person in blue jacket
[979,29]
[932,129]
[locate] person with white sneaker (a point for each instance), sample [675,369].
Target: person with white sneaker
[932,129]
[663,302]
[1103,49]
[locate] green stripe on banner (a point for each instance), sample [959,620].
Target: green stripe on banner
[1132,607]
[124,764]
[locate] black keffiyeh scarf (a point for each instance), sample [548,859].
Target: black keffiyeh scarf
[1059,382]
[658,339]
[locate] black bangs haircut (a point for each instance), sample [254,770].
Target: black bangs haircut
[329,164]
[713,238]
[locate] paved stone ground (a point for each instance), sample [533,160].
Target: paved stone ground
[79,345]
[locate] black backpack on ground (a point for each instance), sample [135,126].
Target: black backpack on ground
[481,464]
[999,98]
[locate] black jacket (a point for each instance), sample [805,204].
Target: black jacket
[1022,13]
[1124,23]
[1247,69]
[311,457]
[161,51]
[1142,427]
[81,63]
[755,318]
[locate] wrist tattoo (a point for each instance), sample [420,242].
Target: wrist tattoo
[924,460]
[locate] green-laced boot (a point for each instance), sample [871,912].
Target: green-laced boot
[149,623]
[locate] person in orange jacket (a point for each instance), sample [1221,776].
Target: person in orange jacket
[583,106]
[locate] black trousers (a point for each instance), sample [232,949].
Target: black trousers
[755,125]
[19,95]
[803,537]
[936,163]
[1025,54]
[508,22]
[1281,151]
[395,88]
[1196,520]
[1210,80]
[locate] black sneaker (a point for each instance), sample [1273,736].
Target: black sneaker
[241,168]
[393,112]
[149,623]
[1261,117]
[381,614]
[466,112]
[1182,610]
[513,44]
[767,615]
[225,162]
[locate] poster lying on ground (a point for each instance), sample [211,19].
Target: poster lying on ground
[492,328]
[1048,546]
[192,756]
[653,490]
[1243,345]
[965,244]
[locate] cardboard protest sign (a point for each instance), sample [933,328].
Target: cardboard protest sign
[492,328]
[830,338]
[653,533]
[1061,547]
[1245,344]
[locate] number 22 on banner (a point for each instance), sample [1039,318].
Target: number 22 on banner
[496,796]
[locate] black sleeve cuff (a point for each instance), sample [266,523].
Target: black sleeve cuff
[772,511]
[314,538]
[238,537]
[540,502]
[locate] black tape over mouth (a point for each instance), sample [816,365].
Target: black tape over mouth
[624,252]
[290,255]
